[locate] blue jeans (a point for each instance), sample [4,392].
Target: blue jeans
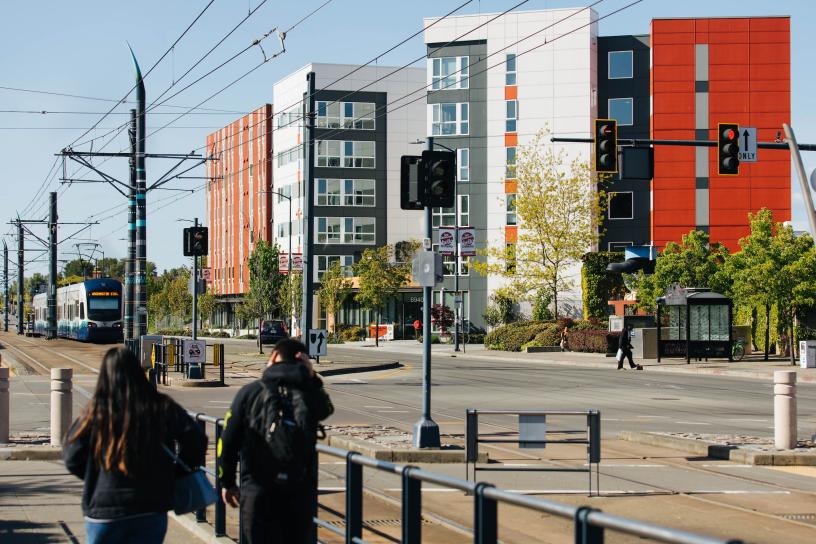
[147,529]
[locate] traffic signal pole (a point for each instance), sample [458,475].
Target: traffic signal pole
[20,276]
[195,290]
[5,287]
[426,431]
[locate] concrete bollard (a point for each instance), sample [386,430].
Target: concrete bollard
[61,403]
[785,437]
[5,415]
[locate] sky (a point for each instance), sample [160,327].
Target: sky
[80,48]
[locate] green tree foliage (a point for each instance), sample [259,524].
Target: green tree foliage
[558,206]
[541,306]
[694,262]
[168,294]
[500,309]
[78,267]
[290,296]
[206,305]
[265,279]
[335,287]
[599,286]
[379,279]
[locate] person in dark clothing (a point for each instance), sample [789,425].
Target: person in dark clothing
[625,348]
[277,502]
[117,447]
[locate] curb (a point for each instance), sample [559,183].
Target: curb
[33,453]
[400,456]
[719,451]
[357,369]
[203,531]
[195,383]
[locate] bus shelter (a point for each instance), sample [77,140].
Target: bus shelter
[693,323]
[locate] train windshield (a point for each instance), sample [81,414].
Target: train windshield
[100,303]
[104,306]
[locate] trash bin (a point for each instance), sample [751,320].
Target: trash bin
[807,353]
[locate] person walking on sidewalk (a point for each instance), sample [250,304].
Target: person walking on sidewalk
[273,423]
[625,348]
[117,446]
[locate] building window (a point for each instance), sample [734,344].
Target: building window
[357,115]
[510,171]
[449,73]
[288,117]
[621,109]
[346,230]
[449,264]
[620,64]
[282,192]
[449,119]
[290,155]
[324,262]
[463,164]
[510,74]
[348,154]
[345,192]
[446,217]
[511,209]
[511,116]
[618,246]
[620,205]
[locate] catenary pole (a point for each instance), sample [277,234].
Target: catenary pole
[803,182]
[140,287]
[5,287]
[195,290]
[308,220]
[131,251]
[51,329]
[426,431]
[20,278]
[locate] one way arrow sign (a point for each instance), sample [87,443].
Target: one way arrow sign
[317,343]
[748,144]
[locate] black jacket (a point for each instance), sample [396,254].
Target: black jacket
[112,495]
[237,438]
[625,340]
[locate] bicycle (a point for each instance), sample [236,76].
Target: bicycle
[738,349]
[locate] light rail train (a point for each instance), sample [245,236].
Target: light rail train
[90,311]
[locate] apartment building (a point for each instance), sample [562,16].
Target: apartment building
[493,84]
[239,210]
[366,118]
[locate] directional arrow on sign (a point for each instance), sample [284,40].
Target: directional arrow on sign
[748,145]
[320,338]
[745,135]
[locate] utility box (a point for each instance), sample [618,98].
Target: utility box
[644,343]
[807,353]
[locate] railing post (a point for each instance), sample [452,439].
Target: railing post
[220,507]
[585,533]
[411,507]
[354,499]
[485,526]
[201,515]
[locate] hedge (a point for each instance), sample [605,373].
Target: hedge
[592,341]
[514,336]
[550,336]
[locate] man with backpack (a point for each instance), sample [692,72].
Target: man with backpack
[273,424]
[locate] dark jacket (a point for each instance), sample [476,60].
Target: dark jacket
[237,438]
[625,340]
[112,495]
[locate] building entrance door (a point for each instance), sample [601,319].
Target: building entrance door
[410,310]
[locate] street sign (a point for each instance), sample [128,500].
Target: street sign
[748,144]
[447,240]
[318,340]
[297,262]
[194,351]
[467,241]
[532,431]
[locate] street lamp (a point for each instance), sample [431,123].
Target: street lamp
[289,265]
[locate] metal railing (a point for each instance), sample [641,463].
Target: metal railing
[589,524]
[533,435]
[168,355]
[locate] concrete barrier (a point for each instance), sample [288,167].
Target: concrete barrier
[5,414]
[785,437]
[61,403]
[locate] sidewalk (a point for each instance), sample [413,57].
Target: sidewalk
[751,367]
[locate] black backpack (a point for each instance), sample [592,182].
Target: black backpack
[280,415]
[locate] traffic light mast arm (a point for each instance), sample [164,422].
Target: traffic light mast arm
[645,142]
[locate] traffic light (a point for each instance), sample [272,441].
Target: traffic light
[411,187]
[440,178]
[728,149]
[606,146]
[195,241]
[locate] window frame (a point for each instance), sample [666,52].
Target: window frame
[511,121]
[460,152]
[327,261]
[514,72]
[461,122]
[609,205]
[631,110]
[461,73]
[510,167]
[439,214]
[342,197]
[610,244]
[344,235]
[342,156]
[510,209]
[631,64]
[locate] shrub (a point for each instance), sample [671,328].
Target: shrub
[541,306]
[565,323]
[335,339]
[474,338]
[531,344]
[218,334]
[550,336]
[591,340]
[434,339]
[584,325]
[500,310]
[515,335]
[350,333]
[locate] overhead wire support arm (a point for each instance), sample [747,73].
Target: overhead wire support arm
[645,142]
[162,180]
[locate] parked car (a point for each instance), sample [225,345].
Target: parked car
[273,330]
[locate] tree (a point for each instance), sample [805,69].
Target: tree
[500,309]
[334,289]
[290,296]
[379,280]
[559,210]
[265,281]
[179,298]
[206,305]
[693,263]
[442,317]
[78,267]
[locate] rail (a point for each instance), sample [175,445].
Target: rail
[589,524]
[533,435]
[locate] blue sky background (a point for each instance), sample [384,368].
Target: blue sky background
[79,48]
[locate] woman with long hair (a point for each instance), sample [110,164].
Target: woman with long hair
[119,447]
